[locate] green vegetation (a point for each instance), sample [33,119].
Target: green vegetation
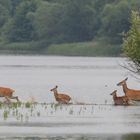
[48,26]
[5,114]
[131,42]
[28,105]
[95,48]
[24,112]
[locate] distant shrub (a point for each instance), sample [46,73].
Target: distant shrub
[20,47]
[85,49]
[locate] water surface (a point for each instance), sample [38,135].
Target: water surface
[88,80]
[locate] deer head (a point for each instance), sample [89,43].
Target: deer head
[114,93]
[122,82]
[54,89]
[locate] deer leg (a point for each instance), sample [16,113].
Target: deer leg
[7,99]
[65,102]
[62,101]
[15,97]
[126,101]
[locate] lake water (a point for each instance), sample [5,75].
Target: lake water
[87,80]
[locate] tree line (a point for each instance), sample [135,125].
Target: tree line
[44,22]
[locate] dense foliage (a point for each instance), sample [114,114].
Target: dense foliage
[131,42]
[36,24]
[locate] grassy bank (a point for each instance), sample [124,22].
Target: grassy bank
[21,48]
[96,48]
[85,49]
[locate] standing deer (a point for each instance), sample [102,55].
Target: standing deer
[130,93]
[7,93]
[60,98]
[122,100]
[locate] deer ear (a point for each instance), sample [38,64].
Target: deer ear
[56,86]
[113,92]
[126,78]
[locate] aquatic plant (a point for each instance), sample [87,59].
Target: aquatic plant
[45,107]
[28,104]
[38,114]
[15,104]
[56,106]
[21,117]
[31,111]
[80,111]
[52,105]
[71,111]
[1,105]
[5,114]
[26,117]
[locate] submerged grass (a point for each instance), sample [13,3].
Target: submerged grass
[24,112]
[5,114]
[28,105]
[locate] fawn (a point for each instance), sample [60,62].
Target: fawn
[122,100]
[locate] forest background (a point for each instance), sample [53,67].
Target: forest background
[65,27]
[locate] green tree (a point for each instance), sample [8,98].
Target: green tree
[4,15]
[47,21]
[115,20]
[6,4]
[81,20]
[14,4]
[131,42]
[66,21]
[21,26]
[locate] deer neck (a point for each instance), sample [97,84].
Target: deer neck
[114,96]
[55,94]
[125,88]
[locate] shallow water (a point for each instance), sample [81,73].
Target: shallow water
[88,80]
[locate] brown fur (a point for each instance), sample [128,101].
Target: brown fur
[61,98]
[130,93]
[7,93]
[122,100]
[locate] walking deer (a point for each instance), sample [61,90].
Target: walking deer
[7,93]
[130,93]
[60,98]
[122,100]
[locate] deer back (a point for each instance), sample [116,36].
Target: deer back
[133,94]
[64,96]
[6,91]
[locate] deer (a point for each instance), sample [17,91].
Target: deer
[121,100]
[130,93]
[7,93]
[60,98]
